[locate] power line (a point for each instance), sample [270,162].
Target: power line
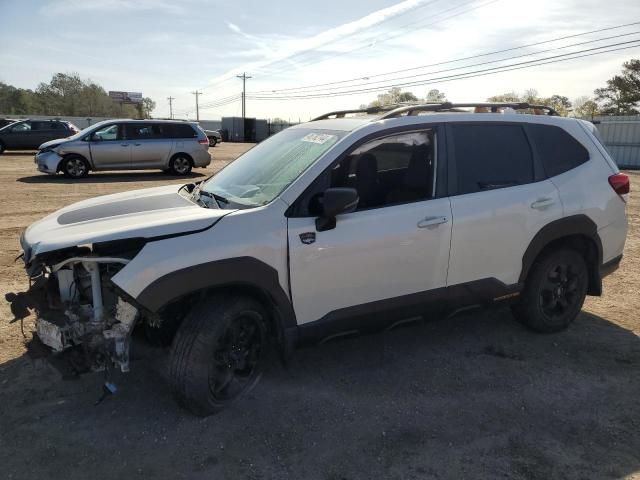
[477,73]
[319,91]
[218,103]
[486,54]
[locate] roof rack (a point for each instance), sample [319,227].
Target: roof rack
[393,111]
[369,110]
[454,107]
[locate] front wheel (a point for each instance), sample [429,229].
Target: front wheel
[213,141]
[218,353]
[554,292]
[2,147]
[75,167]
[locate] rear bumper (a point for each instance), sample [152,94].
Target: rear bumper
[611,266]
[201,159]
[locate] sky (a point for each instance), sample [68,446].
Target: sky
[166,48]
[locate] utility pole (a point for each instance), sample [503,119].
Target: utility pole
[197,93]
[244,79]
[171,99]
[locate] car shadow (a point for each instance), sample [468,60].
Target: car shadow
[29,153]
[110,177]
[440,399]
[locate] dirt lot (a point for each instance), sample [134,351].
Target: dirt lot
[476,396]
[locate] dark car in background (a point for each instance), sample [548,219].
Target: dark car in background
[6,121]
[30,134]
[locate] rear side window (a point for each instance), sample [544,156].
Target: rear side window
[41,126]
[558,150]
[182,130]
[491,156]
[145,130]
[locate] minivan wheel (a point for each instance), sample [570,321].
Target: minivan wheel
[2,147]
[180,165]
[218,353]
[75,167]
[554,292]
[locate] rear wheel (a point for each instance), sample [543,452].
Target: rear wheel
[180,164]
[213,141]
[218,353]
[75,167]
[554,292]
[2,147]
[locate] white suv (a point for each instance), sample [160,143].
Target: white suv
[338,225]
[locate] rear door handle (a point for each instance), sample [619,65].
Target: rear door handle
[432,221]
[137,144]
[124,144]
[542,203]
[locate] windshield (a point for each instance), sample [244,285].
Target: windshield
[262,173]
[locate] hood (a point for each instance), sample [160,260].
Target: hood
[144,213]
[54,143]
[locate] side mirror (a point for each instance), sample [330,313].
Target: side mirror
[96,138]
[334,202]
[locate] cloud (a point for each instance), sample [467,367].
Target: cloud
[124,6]
[293,46]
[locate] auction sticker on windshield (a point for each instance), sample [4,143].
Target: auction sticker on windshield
[317,138]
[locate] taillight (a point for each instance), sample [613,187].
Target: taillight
[203,141]
[620,184]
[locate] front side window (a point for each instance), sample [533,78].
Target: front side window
[491,156]
[390,170]
[109,132]
[262,173]
[21,127]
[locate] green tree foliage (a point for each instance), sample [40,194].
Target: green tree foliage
[585,107]
[559,103]
[67,94]
[621,96]
[392,97]
[435,96]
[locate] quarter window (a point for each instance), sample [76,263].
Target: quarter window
[491,156]
[558,150]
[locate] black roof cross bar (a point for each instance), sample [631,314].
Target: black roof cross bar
[455,107]
[369,110]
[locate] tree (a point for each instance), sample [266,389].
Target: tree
[585,107]
[148,106]
[621,96]
[435,96]
[392,97]
[559,103]
[505,98]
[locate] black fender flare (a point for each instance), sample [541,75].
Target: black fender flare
[564,227]
[242,272]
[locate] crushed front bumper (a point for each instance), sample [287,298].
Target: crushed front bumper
[48,162]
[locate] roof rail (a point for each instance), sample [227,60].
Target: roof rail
[369,110]
[454,107]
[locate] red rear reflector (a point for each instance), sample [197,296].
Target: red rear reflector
[204,141]
[620,183]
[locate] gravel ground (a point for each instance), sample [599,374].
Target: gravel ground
[475,396]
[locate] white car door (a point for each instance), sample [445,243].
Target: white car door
[499,200]
[392,252]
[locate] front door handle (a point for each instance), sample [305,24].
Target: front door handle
[542,203]
[137,144]
[124,144]
[432,221]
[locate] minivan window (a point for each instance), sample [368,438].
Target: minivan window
[558,150]
[262,173]
[144,130]
[41,126]
[182,130]
[21,127]
[109,132]
[490,156]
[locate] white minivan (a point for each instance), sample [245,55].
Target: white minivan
[342,224]
[172,146]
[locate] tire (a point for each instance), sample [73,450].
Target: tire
[181,164]
[74,166]
[218,353]
[554,292]
[213,141]
[2,147]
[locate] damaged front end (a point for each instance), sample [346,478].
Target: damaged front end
[81,308]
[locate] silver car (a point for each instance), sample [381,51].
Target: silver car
[172,146]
